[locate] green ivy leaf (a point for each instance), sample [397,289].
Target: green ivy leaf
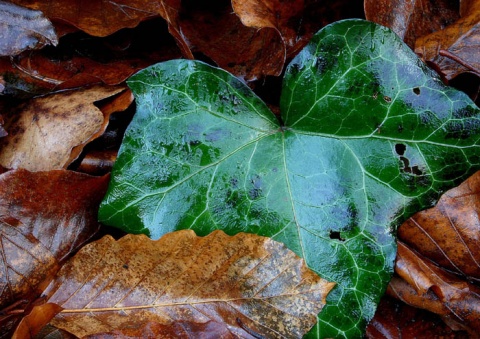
[370,135]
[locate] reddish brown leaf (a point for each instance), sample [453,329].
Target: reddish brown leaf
[45,217]
[449,233]
[395,319]
[80,60]
[250,283]
[455,49]
[244,51]
[295,20]
[22,29]
[423,284]
[180,329]
[48,132]
[97,162]
[97,18]
[31,324]
[412,19]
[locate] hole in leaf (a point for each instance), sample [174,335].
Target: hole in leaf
[416,90]
[400,149]
[336,236]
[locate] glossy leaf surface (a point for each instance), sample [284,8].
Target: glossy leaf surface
[369,136]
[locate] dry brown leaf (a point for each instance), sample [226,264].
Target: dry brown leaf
[294,20]
[423,284]
[97,18]
[395,319]
[22,29]
[248,282]
[45,216]
[104,17]
[218,33]
[81,60]
[449,233]
[455,49]
[180,329]
[43,131]
[412,19]
[32,324]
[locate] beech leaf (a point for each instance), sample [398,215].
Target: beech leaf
[369,136]
[49,132]
[412,19]
[45,216]
[422,284]
[454,49]
[249,282]
[22,29]
[449,233]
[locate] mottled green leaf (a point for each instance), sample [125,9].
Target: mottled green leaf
[369,135]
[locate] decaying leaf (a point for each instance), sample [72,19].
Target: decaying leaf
[412,19]
[22,29]
[219,34]
[395,319]
[422,284]
[81,60]
[248,282]
[97,18]
[455,49]
[44,217]
[48,132]
[179,329]
[31,324]
[449,233]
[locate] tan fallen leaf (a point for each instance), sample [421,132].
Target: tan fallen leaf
[48,133]
[251,283]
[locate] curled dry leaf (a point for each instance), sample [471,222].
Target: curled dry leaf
[455,49]
[412,19]
[449,233]
[248,282]
[422,284]
[49,132]
[45,217]
[22,29]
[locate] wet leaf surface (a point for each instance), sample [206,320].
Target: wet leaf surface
[423,284]
[455,49]
[412,19]
[49,132]
[394,319]
[45,217]
[97,18]
[448,234]
[220,35]
[369,138]
[248,282]
[23,29]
